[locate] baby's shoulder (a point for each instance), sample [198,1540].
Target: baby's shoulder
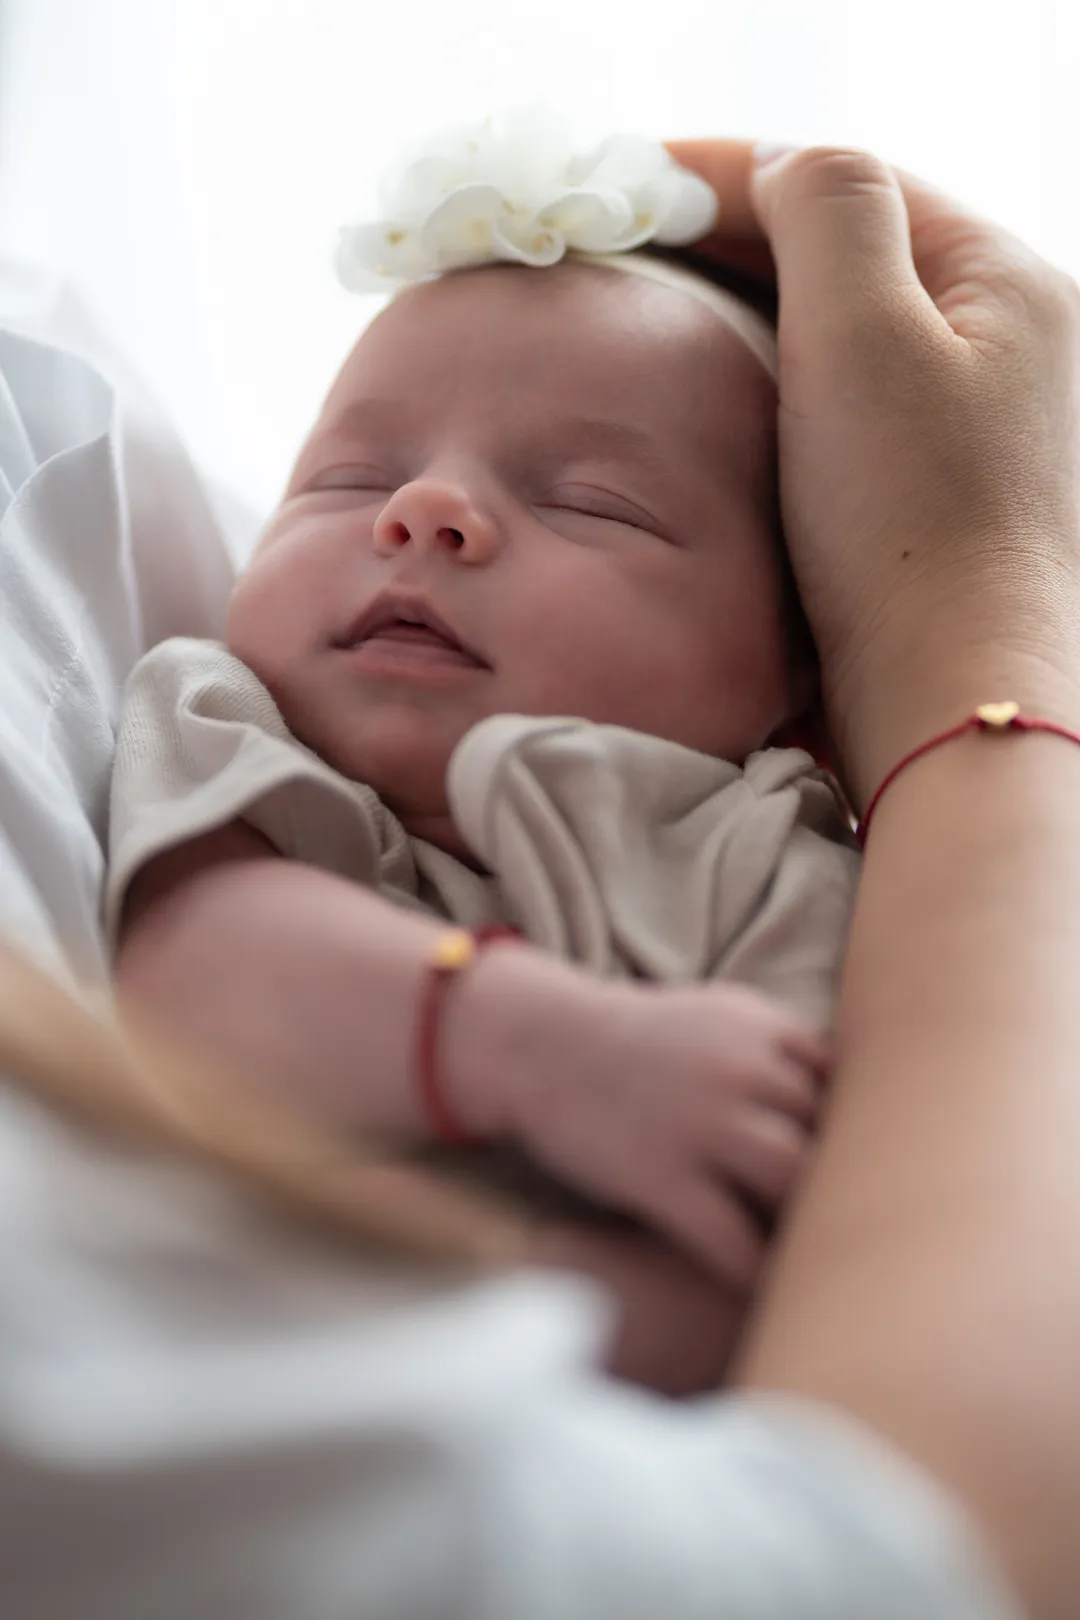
[180,658]
[188,676]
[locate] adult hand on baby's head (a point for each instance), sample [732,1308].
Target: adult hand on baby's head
[929,440]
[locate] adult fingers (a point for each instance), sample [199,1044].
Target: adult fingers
[739,238]
[951,247]
[964,259]
[839,230]
[728,166]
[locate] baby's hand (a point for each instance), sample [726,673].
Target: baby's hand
[675,1327]
[690,1107]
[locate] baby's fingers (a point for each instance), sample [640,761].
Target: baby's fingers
[790,1076]
[809,1048]
[765,1154]
[713,1226]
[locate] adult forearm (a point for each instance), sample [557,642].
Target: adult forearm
[929,1282]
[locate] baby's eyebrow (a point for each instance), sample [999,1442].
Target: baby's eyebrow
[359,416]
[559,439]
[597,436]
[579,435]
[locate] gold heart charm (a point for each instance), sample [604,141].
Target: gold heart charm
[997,715]
[453,951]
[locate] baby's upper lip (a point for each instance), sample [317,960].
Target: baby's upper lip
[400,607]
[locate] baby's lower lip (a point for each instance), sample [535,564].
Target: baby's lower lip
[409,649]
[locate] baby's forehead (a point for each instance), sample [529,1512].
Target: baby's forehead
[565,304]
[523,343]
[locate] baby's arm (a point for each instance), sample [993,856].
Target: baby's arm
[311,983]
[679,1105]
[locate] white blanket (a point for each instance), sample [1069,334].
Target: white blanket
[107,544]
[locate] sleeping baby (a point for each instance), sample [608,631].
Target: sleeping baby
[476,834]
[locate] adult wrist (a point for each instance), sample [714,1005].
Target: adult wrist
[896,700]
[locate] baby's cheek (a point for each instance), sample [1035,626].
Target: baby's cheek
[250,629]
[272,610]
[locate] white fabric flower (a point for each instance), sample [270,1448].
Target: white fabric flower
[518,189]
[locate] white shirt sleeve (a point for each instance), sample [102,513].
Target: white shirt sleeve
[205,1414]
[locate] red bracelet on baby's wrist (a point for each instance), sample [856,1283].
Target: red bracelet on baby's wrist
[453,952]
[999,717]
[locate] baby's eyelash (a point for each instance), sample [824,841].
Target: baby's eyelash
[605,508]
[352,478]
[581,509]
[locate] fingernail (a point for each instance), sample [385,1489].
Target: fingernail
[766,152]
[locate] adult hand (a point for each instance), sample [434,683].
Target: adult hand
[930,466]
[929,440]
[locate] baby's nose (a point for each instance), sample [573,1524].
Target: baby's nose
[437,516]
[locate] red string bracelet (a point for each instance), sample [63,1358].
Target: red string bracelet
[987,717]
[454,951]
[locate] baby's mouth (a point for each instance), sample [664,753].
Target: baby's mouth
[408,630]
[419,638]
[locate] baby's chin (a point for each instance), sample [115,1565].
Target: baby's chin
[399,751]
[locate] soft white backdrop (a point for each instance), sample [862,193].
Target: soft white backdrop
[186,161]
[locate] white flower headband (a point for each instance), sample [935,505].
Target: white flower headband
[519,190]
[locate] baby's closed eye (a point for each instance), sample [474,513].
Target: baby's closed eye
[580,501]
[373,481]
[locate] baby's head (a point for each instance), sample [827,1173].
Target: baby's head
[529,491]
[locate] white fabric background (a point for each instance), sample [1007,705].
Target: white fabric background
[187,161]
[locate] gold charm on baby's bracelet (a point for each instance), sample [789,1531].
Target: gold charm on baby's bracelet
[997,716]
[453,951]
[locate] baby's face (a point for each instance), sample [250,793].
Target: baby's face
[529,492]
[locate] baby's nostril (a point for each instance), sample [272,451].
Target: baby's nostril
[455,536]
